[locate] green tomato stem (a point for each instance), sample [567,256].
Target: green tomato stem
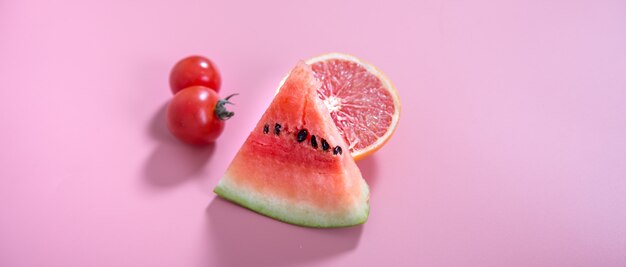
[220,110]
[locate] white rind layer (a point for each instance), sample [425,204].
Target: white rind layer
[298,213]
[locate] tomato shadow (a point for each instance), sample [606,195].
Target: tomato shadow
[369,170]
[172,162]
[157,128]
[244,238]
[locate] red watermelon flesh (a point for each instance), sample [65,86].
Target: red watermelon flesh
[285,177]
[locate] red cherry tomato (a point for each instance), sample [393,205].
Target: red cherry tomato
[196,115]
[194,70]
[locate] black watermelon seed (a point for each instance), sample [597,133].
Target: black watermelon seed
[337,150]
[277,129]
[313,141]
[266,128]
[325,145]
[302,134]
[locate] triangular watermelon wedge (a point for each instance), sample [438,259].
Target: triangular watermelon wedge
[295,165]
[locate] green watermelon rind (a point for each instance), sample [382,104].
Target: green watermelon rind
[259,207]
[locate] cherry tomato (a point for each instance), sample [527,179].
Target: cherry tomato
[196,115]
[194,70]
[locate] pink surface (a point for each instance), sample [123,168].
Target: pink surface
[511,149]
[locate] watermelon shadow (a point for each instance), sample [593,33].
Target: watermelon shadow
[244,238]
[172,162]
[369,170]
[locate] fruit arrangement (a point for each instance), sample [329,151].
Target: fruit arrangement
[298,163]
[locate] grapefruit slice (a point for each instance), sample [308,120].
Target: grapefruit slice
[294,165]
[362,102]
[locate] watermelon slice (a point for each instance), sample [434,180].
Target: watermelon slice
[295,166]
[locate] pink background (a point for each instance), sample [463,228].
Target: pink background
[511,149]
